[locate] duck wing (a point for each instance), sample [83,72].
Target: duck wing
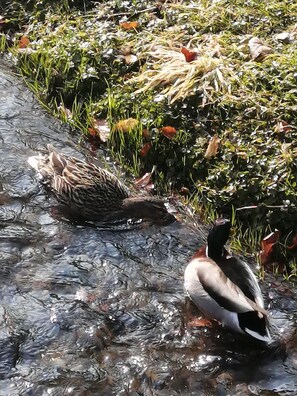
[77,180]
[226,293]
[242,276]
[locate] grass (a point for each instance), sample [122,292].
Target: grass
[84,65]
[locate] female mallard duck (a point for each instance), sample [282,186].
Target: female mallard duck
[224,288]
[93,193]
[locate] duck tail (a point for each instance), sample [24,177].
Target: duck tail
[255,325]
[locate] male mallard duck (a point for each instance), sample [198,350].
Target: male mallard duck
[93,193]
[224,288]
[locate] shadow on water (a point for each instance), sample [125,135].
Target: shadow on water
[89,310]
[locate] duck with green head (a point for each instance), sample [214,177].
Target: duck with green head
[224,287]
[93,193]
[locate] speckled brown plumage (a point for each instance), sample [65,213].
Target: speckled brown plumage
[94,193]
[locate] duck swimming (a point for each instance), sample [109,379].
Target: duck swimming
[224,288]
[93,193]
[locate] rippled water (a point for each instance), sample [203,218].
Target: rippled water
[92,311]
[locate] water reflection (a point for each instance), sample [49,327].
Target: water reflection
[87,310]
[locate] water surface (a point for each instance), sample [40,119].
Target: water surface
[95,311]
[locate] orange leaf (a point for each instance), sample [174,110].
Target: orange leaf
[129,25]
[92,132]
[145,149]
[24,41]
[213,147]
[169,132]
[268,246]
[189,55]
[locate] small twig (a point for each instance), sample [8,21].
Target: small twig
[133,15]
[262,205]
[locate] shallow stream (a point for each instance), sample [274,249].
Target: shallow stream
[91,311]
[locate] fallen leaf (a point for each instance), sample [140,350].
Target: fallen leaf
[92,131]
[268,245]
[129,25]
[101,128]
[146,133]
[199,322]
[24,41]
[284,37]
[169,132]
[189,55]
[65,112]
[145,149]
[258,50]
[184,191]
[282,126]
[126,125]
[2,20]
[130,58]
[293,246]
[145,182]
[213,147]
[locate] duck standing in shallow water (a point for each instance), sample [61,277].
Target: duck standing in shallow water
[93,193]
[224,288]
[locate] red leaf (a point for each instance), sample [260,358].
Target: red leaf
[145,149]
[268,245]
[189,55]
[169,132]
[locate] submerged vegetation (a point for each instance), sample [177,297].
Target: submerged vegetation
[210,87]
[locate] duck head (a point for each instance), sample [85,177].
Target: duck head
[217,238]
[147,208]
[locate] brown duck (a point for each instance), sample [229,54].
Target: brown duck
[93,193]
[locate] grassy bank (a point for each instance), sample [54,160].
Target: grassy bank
[218,121]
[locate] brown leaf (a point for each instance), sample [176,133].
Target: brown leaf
[258,50]
[184,191]
[213,147]
[293,246]
[283,126]
[101,128]
[189,55]
[129,25]
[145,149]
[2,20]
[126,125]
[145,182]
[146,133]
[169,132]
[268,245]
[199,322]
[23,42]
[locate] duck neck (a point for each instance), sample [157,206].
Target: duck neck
[214,251]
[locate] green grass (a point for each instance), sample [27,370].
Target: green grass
[76,61]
